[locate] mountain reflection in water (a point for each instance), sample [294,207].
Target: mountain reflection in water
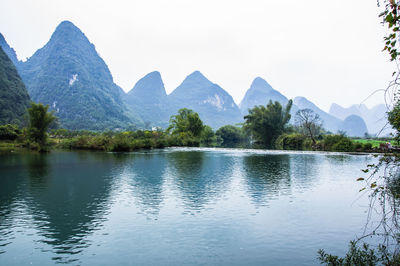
[174,206]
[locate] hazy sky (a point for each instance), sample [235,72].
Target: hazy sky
[327,51]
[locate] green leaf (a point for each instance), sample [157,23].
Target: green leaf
[389,18]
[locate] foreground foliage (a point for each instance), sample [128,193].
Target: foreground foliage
[360,256]
[383,183]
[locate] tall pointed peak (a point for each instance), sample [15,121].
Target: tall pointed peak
[258,81]
[260,84]
[149,85]
[66,30]
[196,77]
[66,25]
[153,75]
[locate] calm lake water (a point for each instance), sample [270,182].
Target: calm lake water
[178,207]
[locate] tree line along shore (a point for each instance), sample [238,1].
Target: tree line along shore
[265,127]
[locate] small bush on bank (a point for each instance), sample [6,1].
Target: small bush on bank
[337,142]
[367,146]
[294,141]
[344,144]
[9,132]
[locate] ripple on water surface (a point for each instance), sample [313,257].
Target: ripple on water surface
[178,206]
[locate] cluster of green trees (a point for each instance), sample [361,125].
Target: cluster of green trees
[264,127]
[35,136]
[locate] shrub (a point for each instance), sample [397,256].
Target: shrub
[121,142]
[358,146]
[344,144]
[367,146]
[9,132]
[337,142]
[293,141]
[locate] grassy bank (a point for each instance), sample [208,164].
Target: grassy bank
[374,142]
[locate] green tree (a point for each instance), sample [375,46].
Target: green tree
[209,138]
[39,122]
[266,123]
[231,136]
[186,121]
[394,117]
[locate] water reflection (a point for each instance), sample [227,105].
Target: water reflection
[38,169]
[125,207]
[146,179]
[304,170]
[67,200]
[267,176]
[10,191]
[200,177]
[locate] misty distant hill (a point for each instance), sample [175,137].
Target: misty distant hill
[354,126]
[375,118]
[330,122]
[260,93]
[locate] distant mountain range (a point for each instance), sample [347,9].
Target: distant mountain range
[330,122]
[70,76]
[375,118]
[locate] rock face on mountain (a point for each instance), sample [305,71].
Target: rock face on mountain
[14,98]
[10,52]
[69,75]
[354,126]
[375,118]
[260,93]
[214,105]
[149,100]
[330,122]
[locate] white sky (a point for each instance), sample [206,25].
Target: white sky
[327,51]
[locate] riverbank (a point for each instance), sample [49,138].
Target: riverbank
[11,137]
[127,144]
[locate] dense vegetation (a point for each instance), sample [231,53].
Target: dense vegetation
[185,129]
[14,98]
[265,123]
